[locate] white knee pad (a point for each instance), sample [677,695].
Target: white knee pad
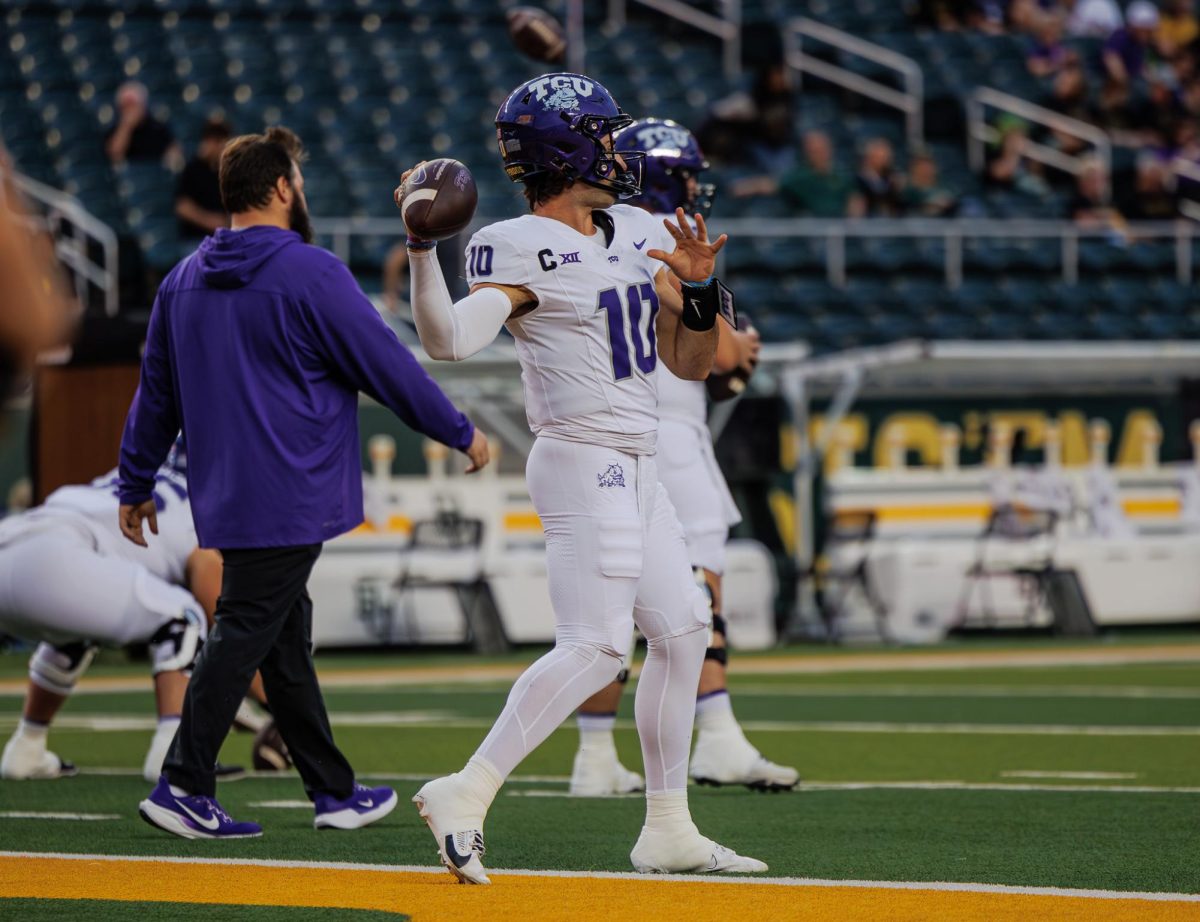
[176,645]
[57,669]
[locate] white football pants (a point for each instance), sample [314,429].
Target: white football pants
[615,555]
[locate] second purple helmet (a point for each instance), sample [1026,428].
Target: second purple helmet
[672,156]
[558,123]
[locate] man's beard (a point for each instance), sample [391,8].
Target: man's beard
[298,219]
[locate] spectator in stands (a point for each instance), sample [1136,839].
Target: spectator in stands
[1093,18]
[756,127]
[1047,55]
[815,187]
[198,192]
[878,181]
[1091,206]
[1125,52]
[1151,198]
[922,196]
[138,135]
[1177,27]
[1009,166]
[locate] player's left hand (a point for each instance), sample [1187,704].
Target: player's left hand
[694,258]
[131,517]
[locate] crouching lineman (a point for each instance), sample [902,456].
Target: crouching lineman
[701,498]
[581,284]
[69,580]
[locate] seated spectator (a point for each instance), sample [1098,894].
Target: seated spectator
[814,187]
[878,182]
[922,196]
[1177,27]
[1151,198]
[1009,167]
[1091,206]
[1125,52]
[138,135]
[1047,55]
[198,192]
[1093,18]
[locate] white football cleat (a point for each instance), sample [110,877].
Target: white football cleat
[599,773]
[27,760]
[675,851]
[455,817]
[728,758]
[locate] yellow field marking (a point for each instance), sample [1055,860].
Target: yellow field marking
[522,521]
[527,897]
[781,664]
[1137,508]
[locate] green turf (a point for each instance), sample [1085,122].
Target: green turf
[105,910]
[1087,838]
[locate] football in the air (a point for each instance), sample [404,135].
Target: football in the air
[732,383]
[438,200]
[537,34]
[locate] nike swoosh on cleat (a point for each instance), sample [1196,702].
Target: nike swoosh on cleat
[211,824]
[712,863]
[366,803]
[639,243]
[453,855]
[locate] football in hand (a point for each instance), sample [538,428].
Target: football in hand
[438,200]
[537,34]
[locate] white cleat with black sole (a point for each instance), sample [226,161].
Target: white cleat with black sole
[455,817]
[724,758]
[685,851]
[29,760]
[599,773]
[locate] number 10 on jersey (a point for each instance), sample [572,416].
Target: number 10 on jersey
[641,305]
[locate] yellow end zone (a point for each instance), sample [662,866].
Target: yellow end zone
[529,897]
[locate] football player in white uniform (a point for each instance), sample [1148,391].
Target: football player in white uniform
[69,580]
[706,510]
[582,286]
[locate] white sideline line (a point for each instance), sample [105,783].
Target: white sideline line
[627,875]
[1073,776]
[930,786]
[34,815]
[1136,692]
[280,805]
[113,723]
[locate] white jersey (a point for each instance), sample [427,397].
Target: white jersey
[92,508]
[588,352]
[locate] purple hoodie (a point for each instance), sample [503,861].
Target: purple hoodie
[257,348]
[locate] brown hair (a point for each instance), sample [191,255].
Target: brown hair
[251,165]
[540,189]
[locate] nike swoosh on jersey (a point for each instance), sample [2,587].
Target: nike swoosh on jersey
[211,824]
[638,244]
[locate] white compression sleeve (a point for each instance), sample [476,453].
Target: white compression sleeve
[452,331]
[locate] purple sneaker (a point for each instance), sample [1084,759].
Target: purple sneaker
[192,816]
[363,806]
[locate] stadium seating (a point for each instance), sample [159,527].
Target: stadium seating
[373,85]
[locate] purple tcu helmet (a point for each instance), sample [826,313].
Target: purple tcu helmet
[557,123]
[672,156]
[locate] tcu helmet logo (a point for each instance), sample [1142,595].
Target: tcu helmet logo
[560,92]
[653,137]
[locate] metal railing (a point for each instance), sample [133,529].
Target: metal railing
[910,100]
[952,234]
[727,26]
[980,133]
[74,229]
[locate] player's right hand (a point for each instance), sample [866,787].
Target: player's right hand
[477,451]
[398,195]
[130,519]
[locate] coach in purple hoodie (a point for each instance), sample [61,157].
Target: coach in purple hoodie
[257,348]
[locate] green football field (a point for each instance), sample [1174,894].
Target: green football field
[1029,765]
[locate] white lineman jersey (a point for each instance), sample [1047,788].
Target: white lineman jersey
[588,351]
[92,509]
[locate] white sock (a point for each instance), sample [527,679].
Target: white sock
[543,697]
[159,744]
[665,707]
[596,731]
[178,791]
[714,712]
[667,810]
[482,778]
[32,730]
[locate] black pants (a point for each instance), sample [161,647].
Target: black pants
[263,622]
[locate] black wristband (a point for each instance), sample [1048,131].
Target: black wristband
[702,303]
